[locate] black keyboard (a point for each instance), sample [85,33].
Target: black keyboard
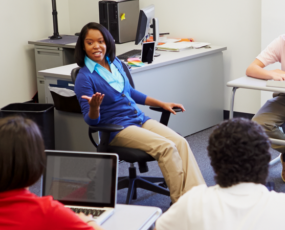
[93,212]
[130,54]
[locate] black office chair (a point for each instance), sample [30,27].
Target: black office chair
[132,182]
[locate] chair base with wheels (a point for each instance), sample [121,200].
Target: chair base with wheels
[132,182]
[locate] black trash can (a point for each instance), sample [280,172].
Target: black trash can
[41,114]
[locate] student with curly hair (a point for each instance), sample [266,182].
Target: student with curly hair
[239,153]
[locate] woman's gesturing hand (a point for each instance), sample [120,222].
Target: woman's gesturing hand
[169,107]
[94,101]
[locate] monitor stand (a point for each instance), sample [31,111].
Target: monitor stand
[156,54]
[155,29]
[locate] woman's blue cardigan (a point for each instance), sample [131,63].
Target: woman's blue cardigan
[116,108]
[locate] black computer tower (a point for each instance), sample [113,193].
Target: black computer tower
[120,18]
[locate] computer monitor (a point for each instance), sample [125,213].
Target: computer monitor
[147,21]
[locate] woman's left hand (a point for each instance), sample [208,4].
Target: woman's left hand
[169,107]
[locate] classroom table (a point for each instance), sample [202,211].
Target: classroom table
[132,217]
[192,77]
[255,84]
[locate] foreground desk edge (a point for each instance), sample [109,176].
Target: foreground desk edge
[132,217]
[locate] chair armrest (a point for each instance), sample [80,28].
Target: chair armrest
[165,113]
[159,109]
[105,128]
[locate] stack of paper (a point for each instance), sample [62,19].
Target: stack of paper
[177,46]
[135,62]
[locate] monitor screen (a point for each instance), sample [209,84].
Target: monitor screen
[80,179]
[145,19]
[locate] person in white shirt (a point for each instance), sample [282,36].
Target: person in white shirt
[239,154]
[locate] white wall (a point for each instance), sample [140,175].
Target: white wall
[235,24]
[272,25]
[81,13]
[20,22]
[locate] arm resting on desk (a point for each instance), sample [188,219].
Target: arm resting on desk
[256,70]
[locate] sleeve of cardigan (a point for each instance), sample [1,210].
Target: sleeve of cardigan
[83,86]
[138,97]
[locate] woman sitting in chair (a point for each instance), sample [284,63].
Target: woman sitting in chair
[106,97]
[22,161]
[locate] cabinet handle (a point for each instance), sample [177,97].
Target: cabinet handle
[48,53]
[42,82]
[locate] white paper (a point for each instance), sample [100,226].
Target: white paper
[62,91]
[182,45]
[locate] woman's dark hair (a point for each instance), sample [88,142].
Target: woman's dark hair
[239,152]
[22,157]
[109,40]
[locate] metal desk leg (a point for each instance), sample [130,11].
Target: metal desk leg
[232,103]
[276,142]
[275,160]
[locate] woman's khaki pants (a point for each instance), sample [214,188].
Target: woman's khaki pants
[172,152]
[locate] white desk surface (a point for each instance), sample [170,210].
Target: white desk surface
[253,83]
[132,217]
[166,58]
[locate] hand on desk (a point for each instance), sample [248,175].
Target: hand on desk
[256,70]
[88,219]
[277,75]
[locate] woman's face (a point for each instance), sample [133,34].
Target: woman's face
[95,46]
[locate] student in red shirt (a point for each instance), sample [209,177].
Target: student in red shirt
[22,160]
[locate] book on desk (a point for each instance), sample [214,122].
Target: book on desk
[177,46]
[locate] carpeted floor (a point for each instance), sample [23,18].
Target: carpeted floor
[198,143]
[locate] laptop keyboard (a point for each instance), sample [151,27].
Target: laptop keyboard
[93,212]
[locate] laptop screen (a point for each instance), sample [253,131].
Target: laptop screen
[82,179]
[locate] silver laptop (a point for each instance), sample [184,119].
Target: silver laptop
[85,182]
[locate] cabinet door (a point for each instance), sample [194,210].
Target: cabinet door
[41,89]
[48,58]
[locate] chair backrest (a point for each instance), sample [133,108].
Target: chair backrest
[127,71]
[75,71]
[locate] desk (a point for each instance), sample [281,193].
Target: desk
[132,217]
[255,84]
[193,77]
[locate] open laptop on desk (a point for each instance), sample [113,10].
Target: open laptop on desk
[84,182]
